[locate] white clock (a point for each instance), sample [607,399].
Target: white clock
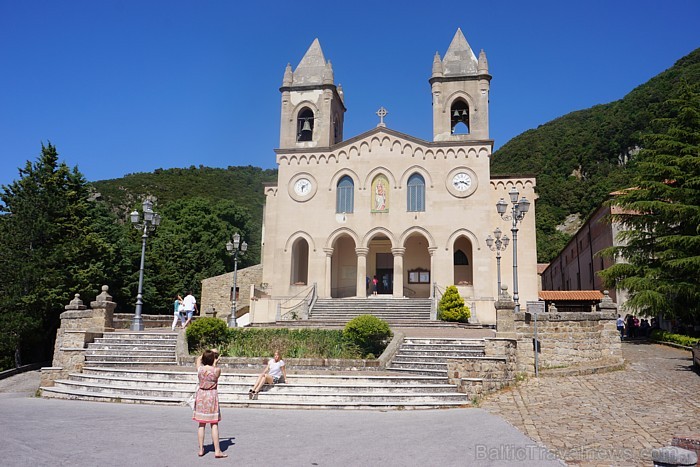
[302,187]
[461,181]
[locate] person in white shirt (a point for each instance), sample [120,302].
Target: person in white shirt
[275,372]
[190,307]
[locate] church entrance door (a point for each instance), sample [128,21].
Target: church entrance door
[386,281]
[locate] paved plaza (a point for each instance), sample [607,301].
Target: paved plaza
[614,418]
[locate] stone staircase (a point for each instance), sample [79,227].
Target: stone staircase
[428,356]
[379,392]
[123,348]
[389,309]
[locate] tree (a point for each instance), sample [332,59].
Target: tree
[451,306]
[661,216]
[49,249]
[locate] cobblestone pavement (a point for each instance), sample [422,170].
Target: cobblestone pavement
[614,418]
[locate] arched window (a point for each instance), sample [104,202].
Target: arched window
[459,117]
[416,193]
[305,125]
[460,258]
[344,201]
[300,262]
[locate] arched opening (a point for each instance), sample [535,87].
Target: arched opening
[344,268]
[344,201]
[380,265]
[462,262]
[300,262]
[459,117]
[415,193]
[417,275]
[305,125]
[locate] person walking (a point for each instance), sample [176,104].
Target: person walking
[178,312]
[621,326]
[190,307]
[275,372]
[206,403]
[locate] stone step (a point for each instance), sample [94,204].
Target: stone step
[135,363]
[442,348]
[419,366]
[401,357]
[264,402]
[118,341]
[420,371]
[242,387]
[125,345]
[226,377]
[140,335]
[435,341]
[130,352]
[141,359]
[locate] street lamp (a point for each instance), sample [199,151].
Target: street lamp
[234,249]
[151,220]
[498,245]
[518,210]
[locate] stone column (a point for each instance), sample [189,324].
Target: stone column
[327,277]
[103,311]
[432,251]
[361,272]
[606,304]
[398,271]
[505,314]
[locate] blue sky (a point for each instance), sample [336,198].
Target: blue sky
[132,86]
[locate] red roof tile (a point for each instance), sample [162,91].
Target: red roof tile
[570,295]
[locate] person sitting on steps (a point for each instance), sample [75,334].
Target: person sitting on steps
[275,372]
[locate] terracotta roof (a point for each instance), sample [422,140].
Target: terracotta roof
[570,295]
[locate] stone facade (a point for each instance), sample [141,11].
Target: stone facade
[414,213]
[217,292]
[79,327]
[478,376]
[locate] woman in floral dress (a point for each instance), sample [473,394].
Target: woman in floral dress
[206,405]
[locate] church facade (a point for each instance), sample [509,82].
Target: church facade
[413,214]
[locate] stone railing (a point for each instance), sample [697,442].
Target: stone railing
[478,376]
[79,327]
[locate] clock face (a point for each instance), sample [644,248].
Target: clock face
[461,181]
[302,187]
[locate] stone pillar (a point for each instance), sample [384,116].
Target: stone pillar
[361,272]
[327,278]
[432,251]
[398,271]
[606,304]
[505,314]
[103,311]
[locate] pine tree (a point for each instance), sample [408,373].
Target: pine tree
[452,306]
[661,218]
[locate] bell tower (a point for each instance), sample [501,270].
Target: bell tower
[312,106]
[460,85]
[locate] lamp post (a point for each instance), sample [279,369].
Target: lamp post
[518,210]
[151,220]
[498,245]
[234,249]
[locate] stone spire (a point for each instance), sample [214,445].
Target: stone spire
[483,66]
[328,73]
[312,67]
[459,59]
[288,76]
[437,65]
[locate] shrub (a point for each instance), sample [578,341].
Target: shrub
[292,343]
[452,308]
[369,333]
[207,333]
[680,339]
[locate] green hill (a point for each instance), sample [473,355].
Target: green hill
[583,156]
[243,185]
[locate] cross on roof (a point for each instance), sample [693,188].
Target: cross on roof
[382,112]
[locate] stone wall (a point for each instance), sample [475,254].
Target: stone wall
[216,292]
[566,339]
[79,327]
[478,376]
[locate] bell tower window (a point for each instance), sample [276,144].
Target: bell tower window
[459,117]
[305,125]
